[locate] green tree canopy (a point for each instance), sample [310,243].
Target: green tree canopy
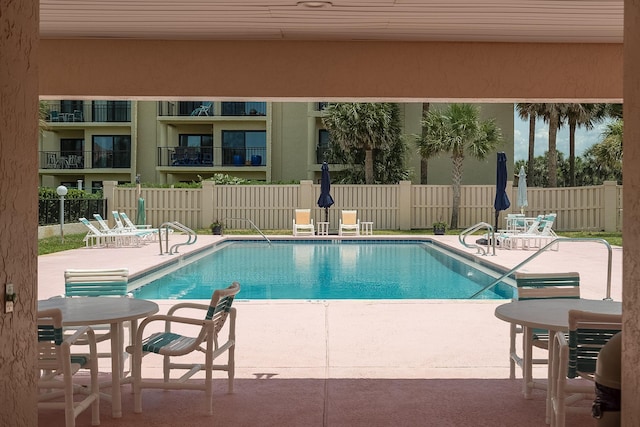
[367,134]
[459,131]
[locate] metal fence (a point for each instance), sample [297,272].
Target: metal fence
[49,210]
[395,207]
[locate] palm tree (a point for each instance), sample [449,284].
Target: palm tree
[553,114]
[459,131]
[363,126]
[608,152]
[531,112]
[580,115]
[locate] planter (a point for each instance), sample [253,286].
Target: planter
[439,231]
[217,230]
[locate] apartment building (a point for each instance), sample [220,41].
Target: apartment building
[87,142]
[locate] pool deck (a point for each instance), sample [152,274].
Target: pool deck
[382,339]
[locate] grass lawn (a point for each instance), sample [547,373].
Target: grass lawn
[74,241]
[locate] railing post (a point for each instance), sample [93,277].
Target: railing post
[404,205]
[610,208]
[208,204]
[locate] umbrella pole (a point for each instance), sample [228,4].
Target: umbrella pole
[326,214]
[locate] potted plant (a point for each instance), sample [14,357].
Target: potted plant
[439,227]
[216,227]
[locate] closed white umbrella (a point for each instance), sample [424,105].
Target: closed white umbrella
[522,190]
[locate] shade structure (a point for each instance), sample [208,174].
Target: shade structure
[141,216]
[325,200]
[522,190]
[501,202]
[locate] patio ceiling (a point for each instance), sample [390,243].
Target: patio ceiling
[572,21]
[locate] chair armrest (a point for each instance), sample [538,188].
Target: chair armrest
[191,305]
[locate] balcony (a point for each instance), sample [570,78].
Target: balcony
[84,160]
[89,112]
[211,156]
[208,109]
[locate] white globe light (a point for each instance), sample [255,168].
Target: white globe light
[61,190]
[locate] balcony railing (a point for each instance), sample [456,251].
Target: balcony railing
[206,108]
[85,160]
[89,111]
[211,156]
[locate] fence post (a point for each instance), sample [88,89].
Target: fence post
[610,212]
[305,196]
[109,195]
[404,205]
[208,203]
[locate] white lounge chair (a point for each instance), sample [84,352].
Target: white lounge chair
[97,238]
[170,344]
[303,223]
[539,233]
[349,223]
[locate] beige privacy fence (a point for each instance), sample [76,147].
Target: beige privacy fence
[396,207]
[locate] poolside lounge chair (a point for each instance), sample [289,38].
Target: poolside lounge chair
[349,223]
[97,238]
[144,228]
[538,234]
[303,223]
[205,338]
[575,356]
[104,227]
[57,367]
[538,286]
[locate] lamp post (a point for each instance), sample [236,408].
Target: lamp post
[62,191]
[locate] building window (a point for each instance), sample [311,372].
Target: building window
[323,146]
[111,151]
[111,111]
[73,151]
[70,106]
[194,149]
[244,108]
[240,147]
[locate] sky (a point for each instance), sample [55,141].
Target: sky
[584,138]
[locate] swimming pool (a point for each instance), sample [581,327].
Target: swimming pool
[327,269]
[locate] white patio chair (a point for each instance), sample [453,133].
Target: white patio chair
[538,286]
[170,345]
[303,223]
[349,223]
[57,367]
[575,356]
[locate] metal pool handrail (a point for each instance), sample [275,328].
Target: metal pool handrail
[490,235]
[254,226]
[180,227]
[547,246]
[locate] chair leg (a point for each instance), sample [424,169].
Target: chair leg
[512,351]
[231,367]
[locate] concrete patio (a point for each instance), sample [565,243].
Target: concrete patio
[346,363]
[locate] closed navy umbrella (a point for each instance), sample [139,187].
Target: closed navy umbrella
[502,201]
[325,200]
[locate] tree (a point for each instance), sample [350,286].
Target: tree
[363,127]
[531,112]
[553,114]
[457,130]
[424,162]
[606,156]
[580,115]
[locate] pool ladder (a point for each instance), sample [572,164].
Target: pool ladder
[544,249]
[253,225]
[490,236]
[175,225]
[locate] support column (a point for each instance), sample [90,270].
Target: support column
[631,217]
[19,44]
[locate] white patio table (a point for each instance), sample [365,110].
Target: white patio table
[551,314]
[88,311]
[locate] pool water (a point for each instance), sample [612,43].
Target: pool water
[313,270]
